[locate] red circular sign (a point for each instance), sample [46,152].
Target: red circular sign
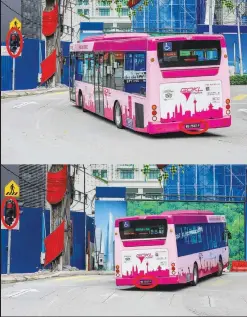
[154,282]
[9,34]
[161,166]
[17,213]
[193,131]
[132,3]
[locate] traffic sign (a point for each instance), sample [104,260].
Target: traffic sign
[14,42]
[15,224]
[15,24]
[12,190]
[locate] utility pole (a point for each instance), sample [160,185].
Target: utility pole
[210,13]
[53,42]
[71,25]
[239,40]
[60,212]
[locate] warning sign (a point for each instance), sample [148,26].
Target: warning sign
[15,23]
[12,189]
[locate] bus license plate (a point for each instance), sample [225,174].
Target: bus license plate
[146,282]
[192,126]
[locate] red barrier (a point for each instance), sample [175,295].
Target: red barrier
[239,266]
[48,67]
[54,244]
[56,186]
[50,21]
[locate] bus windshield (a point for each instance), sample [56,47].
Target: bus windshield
[189,53]
[143,229]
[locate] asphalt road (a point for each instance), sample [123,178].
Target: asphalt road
[98,296]
[48,128]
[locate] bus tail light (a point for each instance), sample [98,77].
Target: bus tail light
[173,268]
[117,269]
[154,118]
[154,107]
[228,107]
[154,113]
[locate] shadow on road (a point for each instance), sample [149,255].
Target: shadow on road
[169,288]
[170,135]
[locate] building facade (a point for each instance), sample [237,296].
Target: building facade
[9,11]
[130,176]
[180,16]
[106,12]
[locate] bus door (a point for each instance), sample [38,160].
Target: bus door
[98,84]
[72,65]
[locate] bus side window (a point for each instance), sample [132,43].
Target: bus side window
[118,66]
[79,67]
[108,79]
[135,73]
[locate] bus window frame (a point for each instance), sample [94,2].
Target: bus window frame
[179,47]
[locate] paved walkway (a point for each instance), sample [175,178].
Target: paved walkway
[21,277]
[30,92]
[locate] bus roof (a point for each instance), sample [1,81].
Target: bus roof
[135,41]
[180,217]
[130,36]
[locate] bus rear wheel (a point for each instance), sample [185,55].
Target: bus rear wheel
[194,282]
[118,116]
[220,268]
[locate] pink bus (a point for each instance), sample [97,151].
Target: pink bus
[172,248]
[151,84]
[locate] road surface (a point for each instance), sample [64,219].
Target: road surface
[48,128]
[98,296]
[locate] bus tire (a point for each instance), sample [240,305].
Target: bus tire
[220,268]
[194,282]
[118,119]
[80,102]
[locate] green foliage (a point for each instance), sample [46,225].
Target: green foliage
[234,213]
[238,80]
[229,4]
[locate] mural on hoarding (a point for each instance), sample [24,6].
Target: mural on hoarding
[234,213]
[105,214]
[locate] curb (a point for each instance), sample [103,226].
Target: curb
[24,278]
[22,93]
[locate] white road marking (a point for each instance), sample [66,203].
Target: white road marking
[72,289]
[242,110]
[25,104]
[22,292]
[38,121]
[51,302]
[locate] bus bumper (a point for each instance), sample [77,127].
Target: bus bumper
[161,281]
[158,128]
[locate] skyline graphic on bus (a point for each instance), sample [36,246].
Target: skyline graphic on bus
[178,114]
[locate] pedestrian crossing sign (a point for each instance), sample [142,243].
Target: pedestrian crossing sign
[15,23]
[12,189]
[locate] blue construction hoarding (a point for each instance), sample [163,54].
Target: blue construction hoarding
[26,243]
[29,62]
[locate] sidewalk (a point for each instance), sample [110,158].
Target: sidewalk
[40,275]
[14,278]
[30,92]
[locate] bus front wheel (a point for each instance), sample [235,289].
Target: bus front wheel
[118,116]
[195,275]
[220,268]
